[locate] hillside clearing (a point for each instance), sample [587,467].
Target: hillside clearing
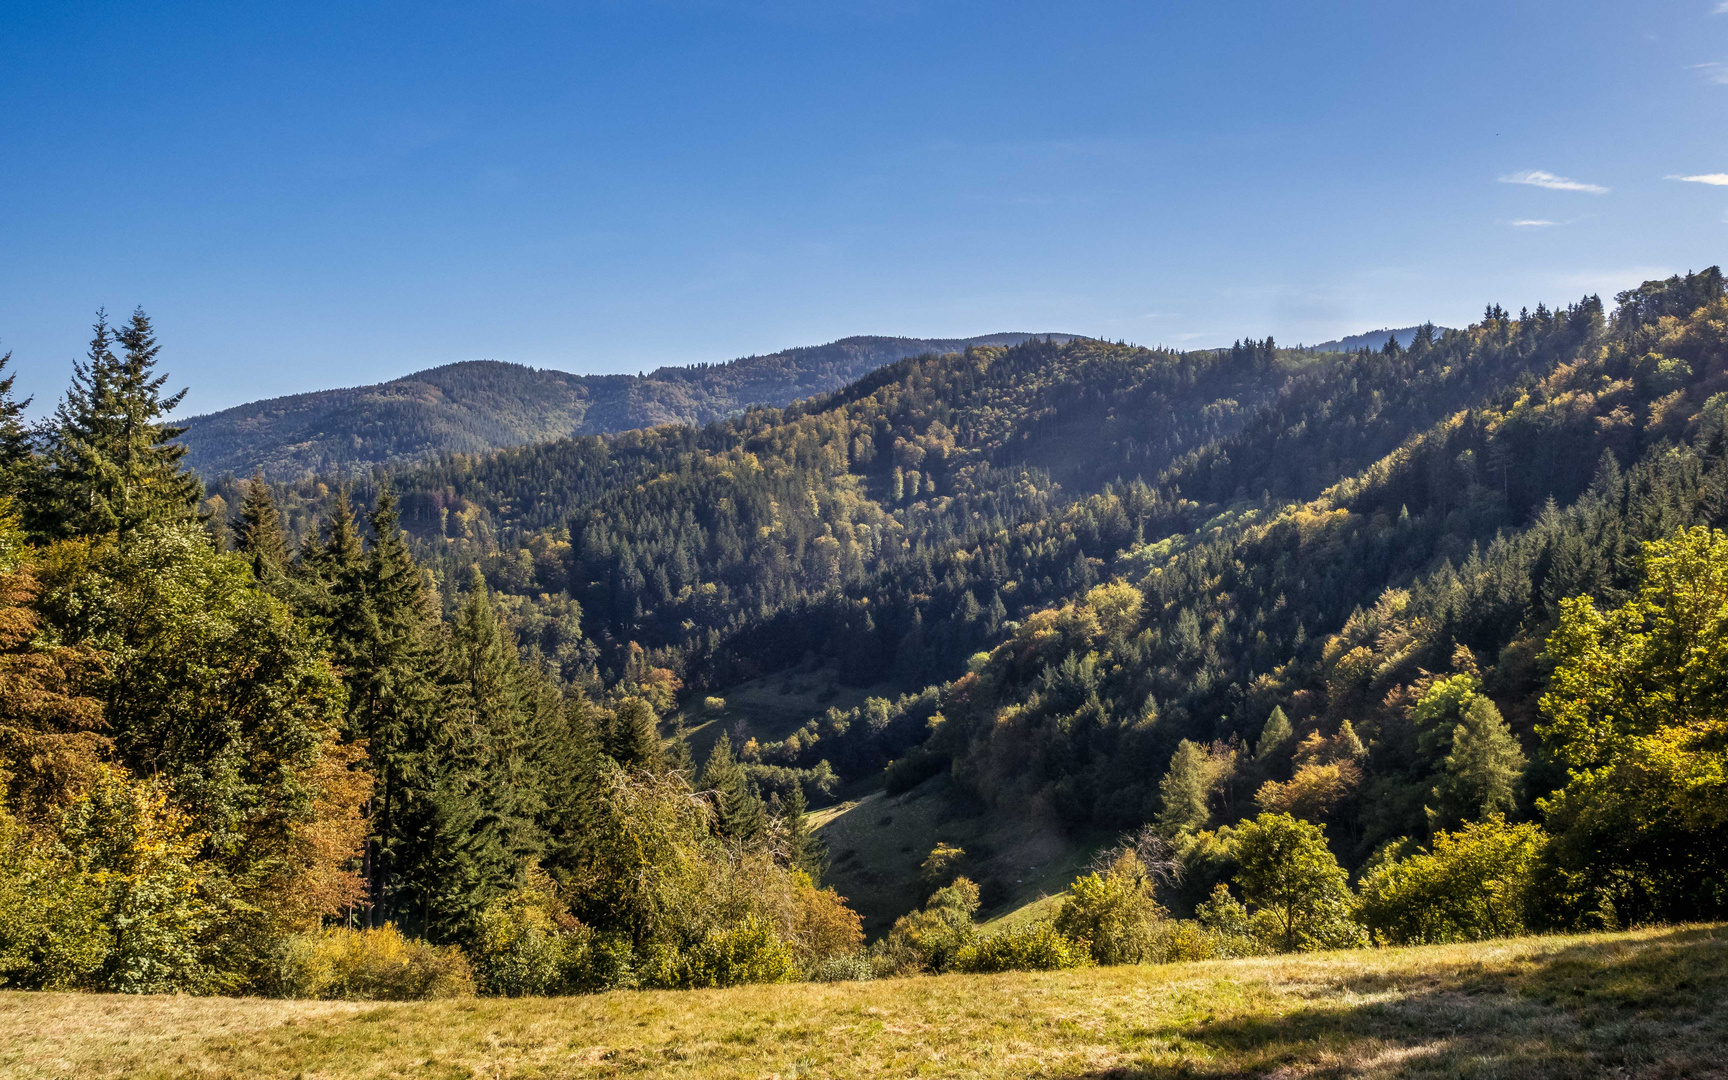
[1647,1003]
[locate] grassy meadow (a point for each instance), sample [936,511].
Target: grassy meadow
[1648,1003]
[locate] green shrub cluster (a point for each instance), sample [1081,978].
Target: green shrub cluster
[1036,946]
[369,965]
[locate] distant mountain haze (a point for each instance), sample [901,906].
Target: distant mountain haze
[481,405]
[1373,339]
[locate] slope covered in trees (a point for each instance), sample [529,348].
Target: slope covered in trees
[1412,645]
[482,405]
[1119,586]
[216,760]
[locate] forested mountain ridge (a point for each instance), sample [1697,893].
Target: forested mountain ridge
[1372,339]
[1321,538]
[482,405]
[1410,645]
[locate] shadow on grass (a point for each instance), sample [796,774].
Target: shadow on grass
[1654,1007]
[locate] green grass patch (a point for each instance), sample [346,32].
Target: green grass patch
[1649,1003]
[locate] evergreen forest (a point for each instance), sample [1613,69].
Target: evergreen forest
[1307,650]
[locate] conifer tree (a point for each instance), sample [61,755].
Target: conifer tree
[486,693]
[806,850]
[258,533]
[112,462]
[16,456]
[390,686]
[677,753]
[738,812]
[1482,771]
[634,737]
[574,761]
[1274,735]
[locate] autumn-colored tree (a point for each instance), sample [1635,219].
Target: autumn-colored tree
[51,728]
[1637,711]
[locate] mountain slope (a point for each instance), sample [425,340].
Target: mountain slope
[481,405]
[1072,570]
[1373,339]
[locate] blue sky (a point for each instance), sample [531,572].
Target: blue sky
[314,195]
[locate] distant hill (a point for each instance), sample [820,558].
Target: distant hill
[482,405]
[1373,339]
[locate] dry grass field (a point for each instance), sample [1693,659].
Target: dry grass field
[1645,1004]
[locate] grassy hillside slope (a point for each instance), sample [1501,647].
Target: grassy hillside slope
[482,405]
[1648,1003]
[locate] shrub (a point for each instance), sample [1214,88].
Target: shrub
[747,953]
[1036,946]
[369,965]
[598,962]
[929,939]
[823,926]
[1474,884]
[1114,914]
[942,865]
[120,903]
[1222,930]
[520,949]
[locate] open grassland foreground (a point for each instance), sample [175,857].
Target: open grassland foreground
[1648,1003]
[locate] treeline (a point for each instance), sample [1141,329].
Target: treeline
[912,503]
[1376,659]
[942,506]
[478,406]
[1632,716]
[232,763]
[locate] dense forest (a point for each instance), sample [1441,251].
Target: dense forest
[482,405]
[1422,643]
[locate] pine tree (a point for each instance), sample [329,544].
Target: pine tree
[1274,735]
[634,737]
[679,759]
[1187,788]
[738,812]
[112,462]
[16,456]
[390,687]
[806,850]
[258,532]
[1482,771]
[485,687]
[574,762]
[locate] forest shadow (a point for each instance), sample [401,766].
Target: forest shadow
[1652,1007]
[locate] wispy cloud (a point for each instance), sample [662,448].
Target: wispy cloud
[1532,223]
[1715,179]
[1538,178]
[1715,71]
[1721,9]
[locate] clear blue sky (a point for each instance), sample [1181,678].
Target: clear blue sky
[308,195]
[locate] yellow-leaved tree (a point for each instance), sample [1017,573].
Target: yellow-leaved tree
[1637,712]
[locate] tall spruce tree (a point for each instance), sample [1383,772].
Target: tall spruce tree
[634,736]
[805,850]
[16,456]
[738,811]
[112,462]
[258,532]
[391,688]
[494,702]
[574,759]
